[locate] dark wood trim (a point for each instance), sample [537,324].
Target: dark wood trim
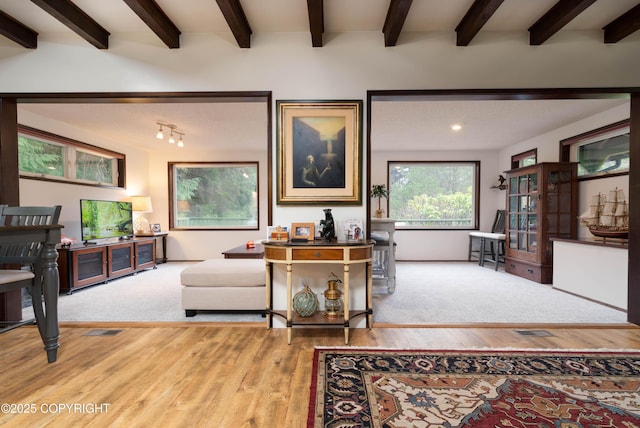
[10,302]
[138,97]
[237,21]
[77,20]
[269,160]
[633,307]
[316,21]
[393,23]
[557,17]
[475,18]
[501,94]
[10,182]
[622,26]
[515,159]
[17,31]
[157,21]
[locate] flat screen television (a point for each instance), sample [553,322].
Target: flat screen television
[105,219]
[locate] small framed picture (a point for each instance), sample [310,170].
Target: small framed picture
[155,227]
[303,231]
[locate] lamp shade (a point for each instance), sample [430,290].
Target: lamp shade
[141,204]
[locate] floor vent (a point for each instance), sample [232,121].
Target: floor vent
[102,333]
[536,333]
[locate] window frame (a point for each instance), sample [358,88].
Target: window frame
[475,195]
[568,144]
[517,161]
[71,147]
[173,205]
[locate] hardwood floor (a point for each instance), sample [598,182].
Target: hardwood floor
[213,376]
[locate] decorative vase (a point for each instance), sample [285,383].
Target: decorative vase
[305,302]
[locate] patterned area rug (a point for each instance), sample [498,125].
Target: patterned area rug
[394,388]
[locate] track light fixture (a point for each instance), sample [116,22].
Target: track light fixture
[173,129]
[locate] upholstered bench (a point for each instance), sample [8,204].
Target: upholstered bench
[235,285]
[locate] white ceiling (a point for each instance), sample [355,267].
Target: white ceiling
[396,125]
[292,16]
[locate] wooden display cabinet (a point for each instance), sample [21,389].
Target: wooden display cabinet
[542,203]
[82,265]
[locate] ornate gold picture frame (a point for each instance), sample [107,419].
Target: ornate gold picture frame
[319,152]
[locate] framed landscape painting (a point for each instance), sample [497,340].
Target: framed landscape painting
[319,152]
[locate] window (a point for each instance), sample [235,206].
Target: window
[48,156]
[434,195]
[601,152]
[214,195]
[527,158]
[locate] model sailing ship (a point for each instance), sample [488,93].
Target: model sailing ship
[608,217]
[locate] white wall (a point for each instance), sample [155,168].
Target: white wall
[286,64]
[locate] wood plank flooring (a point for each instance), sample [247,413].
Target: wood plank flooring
[179,375]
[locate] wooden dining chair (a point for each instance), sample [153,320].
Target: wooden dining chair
[28,236]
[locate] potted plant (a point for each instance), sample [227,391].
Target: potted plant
[379,191]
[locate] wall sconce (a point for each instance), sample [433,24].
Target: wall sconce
[173,130]
[139,205]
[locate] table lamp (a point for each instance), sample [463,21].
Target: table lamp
[139,205]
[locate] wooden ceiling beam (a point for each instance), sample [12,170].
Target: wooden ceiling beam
[17,31]
[237,21]
[316,21]
[556,18]
[475,18]
[393,23]
[622,26]
[157,21]
[73,17]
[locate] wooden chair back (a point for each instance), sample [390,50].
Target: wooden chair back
[499,222]
[29,216]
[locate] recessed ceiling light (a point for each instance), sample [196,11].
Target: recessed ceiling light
[455,127]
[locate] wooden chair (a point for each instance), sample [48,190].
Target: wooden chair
[489,246]
[28,236]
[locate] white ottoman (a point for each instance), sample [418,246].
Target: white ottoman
[231,285]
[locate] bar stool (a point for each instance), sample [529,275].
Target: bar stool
[384,252]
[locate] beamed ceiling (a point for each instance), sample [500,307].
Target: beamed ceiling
[23,22]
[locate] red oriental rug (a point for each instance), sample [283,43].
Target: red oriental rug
[394,388]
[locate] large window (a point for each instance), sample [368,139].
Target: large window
[214,195]
[434,195]
[47,156]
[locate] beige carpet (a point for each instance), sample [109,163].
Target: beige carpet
[426,293]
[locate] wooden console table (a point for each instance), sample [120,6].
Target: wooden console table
[338,252]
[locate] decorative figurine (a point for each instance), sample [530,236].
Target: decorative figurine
[328,227]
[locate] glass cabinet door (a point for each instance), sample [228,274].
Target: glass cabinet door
[523,209]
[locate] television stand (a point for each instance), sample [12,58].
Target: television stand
[91,263]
